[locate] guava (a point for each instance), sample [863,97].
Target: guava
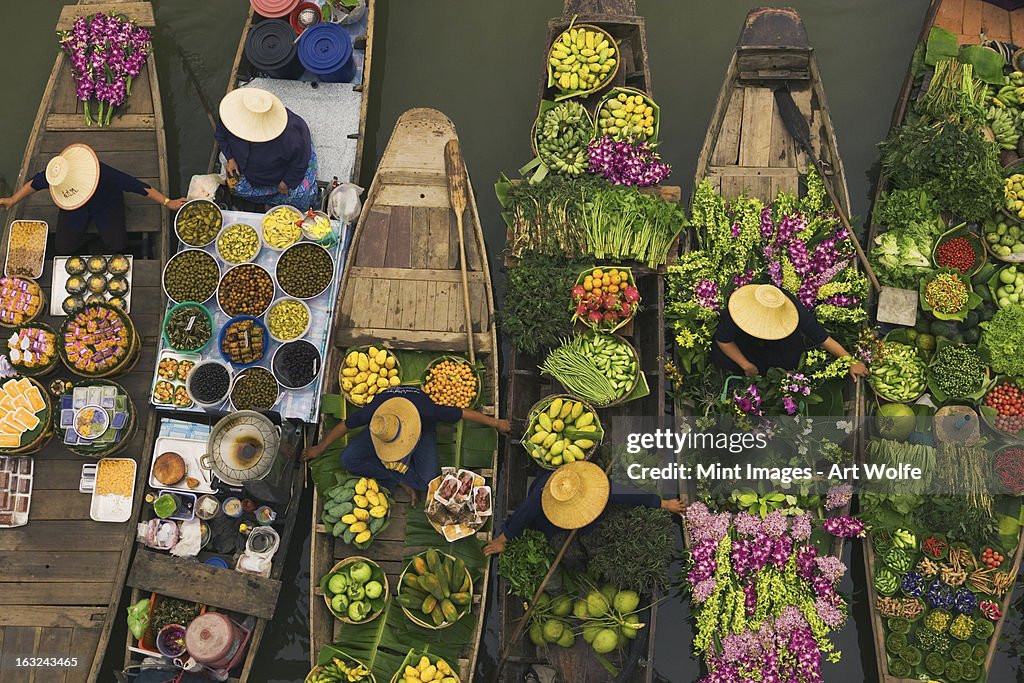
[339,603]
[358,610]
[373,590]
[360,572]
[337,584]
[356,592]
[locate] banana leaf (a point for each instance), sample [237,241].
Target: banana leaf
[942,44]
[363,642]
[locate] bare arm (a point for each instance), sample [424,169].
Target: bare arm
[155,195]
[733,353]
[857,368]
[503,426]
[25,191]
[316,451]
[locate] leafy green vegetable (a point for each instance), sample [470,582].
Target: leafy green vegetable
[525,561]
[901,255]
[952,161]
[901,208]
[953,92]
[537,313]
[942,44]
[1002,341]
[988,64]
[632,548]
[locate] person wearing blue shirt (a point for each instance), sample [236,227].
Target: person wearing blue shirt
[399,444]
[571,497]
[268,150]
[88,191]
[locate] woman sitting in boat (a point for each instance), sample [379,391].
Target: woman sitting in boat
[571,497]
[87,190]
[399,445]
[764,326]
[268,152]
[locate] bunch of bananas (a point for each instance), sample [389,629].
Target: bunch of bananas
[366,373]
[563,133]
[1003,123]
[340,672]
[581,60]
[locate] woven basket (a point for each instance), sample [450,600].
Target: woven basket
[543,404]
[463,611]
[126,363]
[318,669]
[461,361]
[45,433]
[42,370]
[612,94]
[341,565]
[414,656]
[610,76]
[348,394]
[43,303]
[629,282]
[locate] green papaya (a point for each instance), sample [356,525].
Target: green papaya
[458,574]
[449,611]
[433,585]
[409,601]
[410,580]
[428,604]
[339,529]
[462,599]
[437,615]
[376,524]
[433,560]
[349,535]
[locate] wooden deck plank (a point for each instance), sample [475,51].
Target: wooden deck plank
[141,12]
[950,15]
[437,240]
[1017,27]
[727,147]
[65,99]
[425,306]
[18,642]
[44,593]
[972,21]
[419,241]
[422,274]
[802,98]
[755,136]
[56,566]
[100,140]
[141,99]
[66,535]
[406,339]
[394,312]
[54,642]
[84,642]
[379,295]
[371,252]
[187,580]
[411,300]
[782,152]
[65,122]
[398,253]
[995,22]
[52,505]
[360,312]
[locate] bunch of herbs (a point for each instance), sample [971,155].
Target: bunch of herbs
[525,562]
[537,314]
[632,548]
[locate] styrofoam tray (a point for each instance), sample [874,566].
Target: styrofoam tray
[191,451]
[38,272]
[60,279]
[111,507]
[164,355]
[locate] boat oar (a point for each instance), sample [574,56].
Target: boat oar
[456,172]
[797,126]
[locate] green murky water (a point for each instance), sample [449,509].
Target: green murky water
[478,62]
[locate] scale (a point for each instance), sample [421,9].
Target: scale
[242,447]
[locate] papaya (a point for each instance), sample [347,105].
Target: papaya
[409,601]
[466,583]
[449,611]
[428,604]
[420,565]
[458,573]
[433,560]
[433,585]
[437,615]
[410,580]
[462,599]
[339,529]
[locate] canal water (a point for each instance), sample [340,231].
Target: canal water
[479,61]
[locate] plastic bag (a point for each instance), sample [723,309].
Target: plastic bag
[344,202]
[138,618]
[204,186]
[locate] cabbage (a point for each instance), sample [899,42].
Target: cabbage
[903,254]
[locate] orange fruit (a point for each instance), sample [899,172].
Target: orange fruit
[597,273]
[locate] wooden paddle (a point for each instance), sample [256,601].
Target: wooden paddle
[797,126]
[456,171]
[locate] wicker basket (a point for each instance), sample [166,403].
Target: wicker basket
[43,303]
[341,377]
[341,565]
[45,428]
[126,363]
[463,611]
[414,656]
[42,370]
[988,414]
[532,418]
[616,54]
[630,281]
[614,93]
[318,669]
[461,361]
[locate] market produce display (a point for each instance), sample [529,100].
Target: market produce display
[32,349]
[525,562]
[596,367]
[288,319]
[898,373]
[427,668]
[238,243]
[96,340]
[1009,468]
[20,301]
[169,388]
[562,133]
[435,590]
[947,295]
[255,388]
[561,430]
[963,253]
[1004,406]
[281,227]
[627,114]
[582,60]
[957,371]
[367,372]
[191,275]
[1004,238]
[356,590]
[23,411]
[188,327]
[305,270]
[93,418]
[296,364]
[356,510]
[26,249]
[451,381]
[246,289]
[339,671]
[605,299]
[1002,341]
[243,341]
[209,383]
[1007,285]
[198,222]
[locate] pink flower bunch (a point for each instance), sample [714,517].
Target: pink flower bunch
[748,401]
[705,525]
[626,163]
[844,527]
[782,651]
[838,496]
[745,278]
[707,295]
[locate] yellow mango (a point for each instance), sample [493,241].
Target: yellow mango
[363,362]
[361,514]
[394,381]
[372,498]
[392,373]
[372,367]
[352,359]
[357,527]
[359,388]
[363,536]
[360,501]
[382,357]
[383,383]
[371,352]
[361,377]
[349,372]
[378,512]
[350,519]
[372,485]
[346,384]
[390,362]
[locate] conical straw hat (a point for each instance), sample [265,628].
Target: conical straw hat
[73,175]
[763,311]
[395,429]
[253,114]
[575,495]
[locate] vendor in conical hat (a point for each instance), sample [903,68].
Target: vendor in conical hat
[268,150]
[86,191]
[766,327]
[571,497]
[399,444]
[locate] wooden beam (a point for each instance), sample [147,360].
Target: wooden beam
[407,339]
[63,122]
[52,616]
[141,12]
[187,579]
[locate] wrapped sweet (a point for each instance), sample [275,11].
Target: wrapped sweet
[74,265]
[20,300]
[118,265]
[96,339]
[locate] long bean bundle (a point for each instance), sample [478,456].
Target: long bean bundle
[596,367]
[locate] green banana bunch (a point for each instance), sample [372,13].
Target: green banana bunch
[1008,96]
[1003,123]
[563,134]
[1017,79]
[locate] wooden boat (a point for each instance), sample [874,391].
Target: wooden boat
[973,22]
[255,599]
[62,575]
[748,150]
[402,290]
[526,386]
